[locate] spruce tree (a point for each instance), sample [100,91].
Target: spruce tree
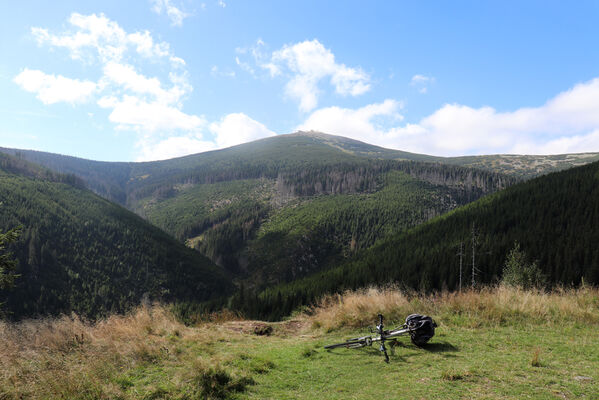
[8,264]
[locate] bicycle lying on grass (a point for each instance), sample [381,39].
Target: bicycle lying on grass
[421,329]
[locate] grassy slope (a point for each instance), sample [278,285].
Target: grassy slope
[495,344]
[122,182]
[486,363]
[107,179]
[400,193]
[195,203]
[211,195]
[523,166]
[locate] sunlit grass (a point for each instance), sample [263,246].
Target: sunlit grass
[494,343]
[471,308]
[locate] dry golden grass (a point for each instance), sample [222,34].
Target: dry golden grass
[149,354]
[358,308]
[69,358]
[489,306]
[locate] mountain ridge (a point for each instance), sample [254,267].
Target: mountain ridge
[330,138]
[128,182]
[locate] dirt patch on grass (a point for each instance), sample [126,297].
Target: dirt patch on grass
[284,328]
[248,327]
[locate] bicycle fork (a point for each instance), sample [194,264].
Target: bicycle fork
[381,332]
[384,350]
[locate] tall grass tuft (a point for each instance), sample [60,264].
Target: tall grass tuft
[492,306]
[536,360]
[69,358]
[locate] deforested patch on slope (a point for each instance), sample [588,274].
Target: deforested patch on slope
[553,218]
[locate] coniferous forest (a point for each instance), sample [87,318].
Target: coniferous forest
[553,218]
[272,225]
[78,252]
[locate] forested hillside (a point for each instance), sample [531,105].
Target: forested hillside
[268,230]
[127,182]
[278,209]
[554,218]
[79,252]
[309,212]
[107,179]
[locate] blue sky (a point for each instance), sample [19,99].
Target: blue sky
[154,79]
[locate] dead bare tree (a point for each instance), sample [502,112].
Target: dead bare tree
[461,255]
[474,240]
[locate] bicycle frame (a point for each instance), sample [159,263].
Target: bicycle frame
[369,340]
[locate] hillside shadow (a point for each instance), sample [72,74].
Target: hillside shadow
[395,350]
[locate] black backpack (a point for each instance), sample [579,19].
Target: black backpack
[422,328]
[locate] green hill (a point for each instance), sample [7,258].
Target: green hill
[79,252]
[520,166]
[280,208]
[309,212]
[268,230]
[126,182]
[554,218]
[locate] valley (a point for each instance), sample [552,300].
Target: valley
[267,212]
[308,210]
[227,200]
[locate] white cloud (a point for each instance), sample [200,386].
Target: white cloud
[231,130]
[52,89]
[175,146]
[309,62]
[567,144]
[175,14]
[177,62]
[422,82]
[360,124]
[567,123]
[222,3]
[227,73]
[125,77]
[238,128]
[421,79]
[150,106]
[305,65]
[145,46]
[245,66]
[133,113]
[98,36]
